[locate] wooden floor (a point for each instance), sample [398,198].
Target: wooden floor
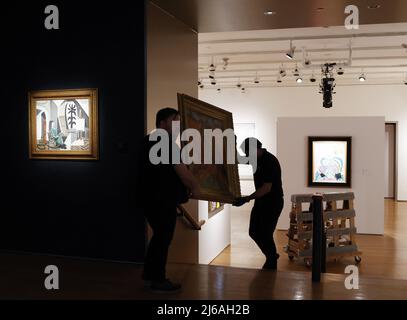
[22,277]
[383,272]
[383,256]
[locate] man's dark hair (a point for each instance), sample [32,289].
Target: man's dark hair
[164,114]
[246,143]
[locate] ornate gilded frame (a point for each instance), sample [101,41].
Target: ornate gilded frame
[190,104]
[93,152]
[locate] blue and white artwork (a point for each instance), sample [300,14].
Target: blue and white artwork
[329,162]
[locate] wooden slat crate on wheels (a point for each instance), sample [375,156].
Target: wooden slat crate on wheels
[339,222]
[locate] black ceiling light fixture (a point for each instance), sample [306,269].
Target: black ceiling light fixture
[290,54]
[283,73]
[225,63]
[313,79]
[327,84]
[256,79]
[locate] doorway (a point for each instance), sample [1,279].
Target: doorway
[390,161]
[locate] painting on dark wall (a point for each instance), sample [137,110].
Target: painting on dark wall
[218,182]
[63,124]
[329,161]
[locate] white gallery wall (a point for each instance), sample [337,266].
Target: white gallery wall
[172,69]
[263,106]
[367,169]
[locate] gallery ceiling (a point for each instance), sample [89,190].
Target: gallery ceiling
[378,51]
[243,15]
[255,44]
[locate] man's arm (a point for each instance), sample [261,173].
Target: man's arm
[187,178]
[262,191]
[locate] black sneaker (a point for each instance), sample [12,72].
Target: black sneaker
[164,286]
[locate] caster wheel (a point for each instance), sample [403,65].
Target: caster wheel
[358,259]
[308,263]
[291,258]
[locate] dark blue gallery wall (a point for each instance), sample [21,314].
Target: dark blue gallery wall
[74,208]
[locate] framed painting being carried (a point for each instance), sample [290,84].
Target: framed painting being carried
[218,182]
[63,124]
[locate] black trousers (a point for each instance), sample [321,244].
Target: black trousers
[162,220]
[263,222]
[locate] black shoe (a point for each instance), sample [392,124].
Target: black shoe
[164,286]
[270,264]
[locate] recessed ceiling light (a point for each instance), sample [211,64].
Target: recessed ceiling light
[374,6]
[269,13]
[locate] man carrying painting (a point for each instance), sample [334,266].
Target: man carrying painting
[269,201]
[166,185]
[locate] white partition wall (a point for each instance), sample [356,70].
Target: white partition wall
[368,145]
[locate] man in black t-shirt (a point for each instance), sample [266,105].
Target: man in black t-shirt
[269,202]
[165,187]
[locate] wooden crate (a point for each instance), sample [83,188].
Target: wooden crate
[339,223]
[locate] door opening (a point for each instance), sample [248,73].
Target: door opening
[390,161]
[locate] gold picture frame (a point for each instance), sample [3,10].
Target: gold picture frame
[63,124]
[218,182]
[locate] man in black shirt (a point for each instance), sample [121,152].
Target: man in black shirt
[165,187]
[269,202]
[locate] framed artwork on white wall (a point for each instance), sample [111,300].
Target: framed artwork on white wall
[329,161]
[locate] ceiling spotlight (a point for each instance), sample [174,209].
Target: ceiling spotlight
[290,54]
[405,81]
[243,90]
[201,86]
[362,77]
[238,85]
[256,79]
[340,71]
[225,63]
[299,80]
[296,72]
[199,82]
[212,68]
[279,79]
[313,79]
[213,82]
[218,90]
[283,73]
[269,13]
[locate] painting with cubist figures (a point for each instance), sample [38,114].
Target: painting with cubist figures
[63,124]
